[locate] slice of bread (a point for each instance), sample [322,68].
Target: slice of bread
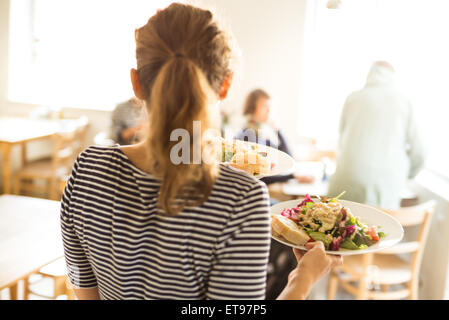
[289,230]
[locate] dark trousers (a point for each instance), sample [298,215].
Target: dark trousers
[281,262]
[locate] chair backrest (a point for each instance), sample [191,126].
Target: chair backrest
[414,215]
[81,132]
[419,215]
[68,144]
[64,151]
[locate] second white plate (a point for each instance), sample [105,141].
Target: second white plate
[283,163]
[367,214]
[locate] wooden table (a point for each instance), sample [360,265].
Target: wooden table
[30,238]
[20,131]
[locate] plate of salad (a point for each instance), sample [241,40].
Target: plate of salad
[344,227]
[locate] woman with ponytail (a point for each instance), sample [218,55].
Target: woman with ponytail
[137,224]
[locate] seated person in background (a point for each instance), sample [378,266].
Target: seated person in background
[379,146]
[257,112]
[127,122]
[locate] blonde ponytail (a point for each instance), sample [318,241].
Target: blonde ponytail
[178,98]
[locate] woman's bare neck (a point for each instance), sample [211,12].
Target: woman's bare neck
[139,155]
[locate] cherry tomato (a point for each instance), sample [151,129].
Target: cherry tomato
[372,232]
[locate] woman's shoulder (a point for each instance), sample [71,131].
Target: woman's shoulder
[100,152]
[102,165]
[103,158]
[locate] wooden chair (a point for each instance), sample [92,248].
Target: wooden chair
[61,286]
[385,268]
[51,171]
[82,125]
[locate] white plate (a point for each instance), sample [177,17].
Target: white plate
[283,163]
[367,214]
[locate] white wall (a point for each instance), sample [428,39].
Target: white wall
[4,20]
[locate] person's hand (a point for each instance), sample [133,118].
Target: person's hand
[313,264]
[304,178]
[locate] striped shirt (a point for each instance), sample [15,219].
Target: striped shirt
[117,239]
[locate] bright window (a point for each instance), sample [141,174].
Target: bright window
[340,45]
[74,53]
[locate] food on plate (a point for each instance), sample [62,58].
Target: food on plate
[289,229]
[249,157]
[325,220]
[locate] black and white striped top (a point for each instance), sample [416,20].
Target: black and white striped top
[117,239]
